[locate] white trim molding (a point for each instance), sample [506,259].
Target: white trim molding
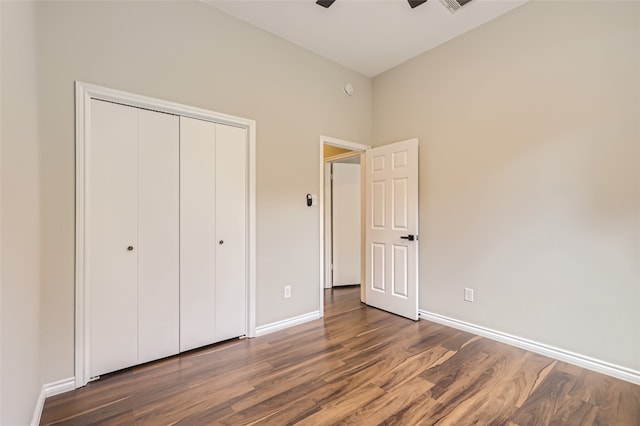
[51,389]
[61,386]
[84,93]
[341,143]
[569,357]
[37,412]
[290,322]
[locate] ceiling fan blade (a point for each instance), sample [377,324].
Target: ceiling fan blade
[327,3]
[415,3]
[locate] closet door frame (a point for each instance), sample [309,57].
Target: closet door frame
[84,93]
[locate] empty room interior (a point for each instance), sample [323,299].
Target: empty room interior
[170,243]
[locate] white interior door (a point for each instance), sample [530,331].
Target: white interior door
[197,232]
[392,228]
[213,232]
[158,248]
[113,208]
[346,230]
[133,236]
[128,195]
[231,232]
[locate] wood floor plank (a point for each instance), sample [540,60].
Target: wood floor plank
[411,367]
[335,410]
[356,366]
[390,403]
[551,401]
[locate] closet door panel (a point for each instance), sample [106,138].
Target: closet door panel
[158,235]
[197,233]
[231,199]
[112,228]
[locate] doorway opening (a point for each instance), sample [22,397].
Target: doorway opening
[341,258]
[342,193]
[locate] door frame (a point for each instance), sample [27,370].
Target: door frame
[84,92]
[340,143]
[327,220]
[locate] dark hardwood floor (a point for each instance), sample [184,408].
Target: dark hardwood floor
[358,365]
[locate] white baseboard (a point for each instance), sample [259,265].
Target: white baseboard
[61,386]
[37,412]
[51,389]
[290,322]
[583,361]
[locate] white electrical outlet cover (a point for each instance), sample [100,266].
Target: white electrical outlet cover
[468,294]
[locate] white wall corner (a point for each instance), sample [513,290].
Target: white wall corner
[51,389]
[290,322]
[569,357]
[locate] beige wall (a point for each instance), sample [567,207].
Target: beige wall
[191,53]
[529,184]
[530,173]
[20,379]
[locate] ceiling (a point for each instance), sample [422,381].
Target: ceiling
[369,36]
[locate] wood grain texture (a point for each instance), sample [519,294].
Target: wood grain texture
[358,366]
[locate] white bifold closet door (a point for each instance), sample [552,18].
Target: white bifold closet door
[133,256]
[213,234]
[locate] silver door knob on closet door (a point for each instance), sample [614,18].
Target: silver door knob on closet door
[130,248]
